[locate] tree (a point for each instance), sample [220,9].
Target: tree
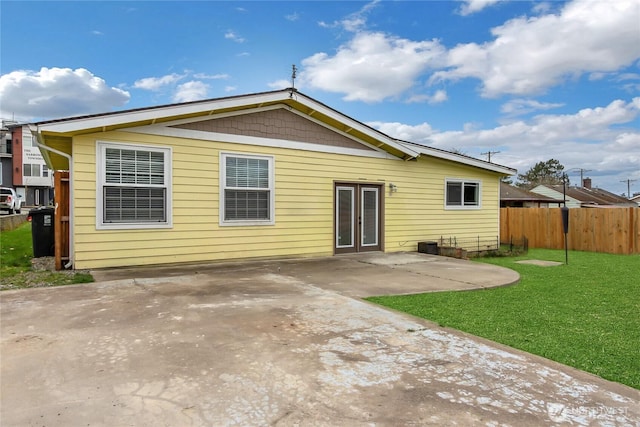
[550,172]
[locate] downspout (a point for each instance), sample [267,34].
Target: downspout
[36,132]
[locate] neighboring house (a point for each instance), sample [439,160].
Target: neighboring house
[585,196]
[30,175]
[273,174]
[6,153]
[636,199]
[515,197]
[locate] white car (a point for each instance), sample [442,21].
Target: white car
[10,201]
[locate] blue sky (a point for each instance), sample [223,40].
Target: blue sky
[532,80]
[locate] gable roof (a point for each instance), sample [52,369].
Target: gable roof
[52,133]
[509,193]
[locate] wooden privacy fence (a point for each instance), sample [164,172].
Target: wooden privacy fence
[61,218]
[611,230]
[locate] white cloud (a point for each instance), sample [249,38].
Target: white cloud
[529,55]
[438,97]
[413,133]
[354,22]
[627,76]
[292,17]
[541,7]
[56,92]
[191,91]
[97,33]
[517,107]
[156,83]
[371,66]
[472,6]
[211,76]
[230,88]
[280,84]
[601,139]
[594,125]
[230,35]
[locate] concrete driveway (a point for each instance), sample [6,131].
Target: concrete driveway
[278,343]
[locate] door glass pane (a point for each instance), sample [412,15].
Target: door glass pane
[369,216]
[344,217]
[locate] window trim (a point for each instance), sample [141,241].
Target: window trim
[477,206]
[101,147]
[222,187]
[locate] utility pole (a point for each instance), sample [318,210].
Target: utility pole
[582,171]
[629,181]
[488,154]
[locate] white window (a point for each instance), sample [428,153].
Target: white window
[462,194]
[134,186]
[29,169]
[45,171]
[246,190]
[27,140]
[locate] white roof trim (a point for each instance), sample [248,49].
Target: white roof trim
[149,114]
[130,116]
[446,155]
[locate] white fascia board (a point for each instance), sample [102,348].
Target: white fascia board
[427,151]
[114,119]
[154,113]
[161,130]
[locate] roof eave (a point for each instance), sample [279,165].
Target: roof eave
[153,115]
[459,158]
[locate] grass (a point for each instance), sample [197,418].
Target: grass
[16,272]
[585,314]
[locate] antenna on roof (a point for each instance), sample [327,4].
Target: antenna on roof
[488,154]
[293,79]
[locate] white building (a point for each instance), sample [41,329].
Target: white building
[31,177]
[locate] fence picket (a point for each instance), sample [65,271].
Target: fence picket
[614,230]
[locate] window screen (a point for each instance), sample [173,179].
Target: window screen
[248,193]
[135,186]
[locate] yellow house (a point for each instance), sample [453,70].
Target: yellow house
[273,174]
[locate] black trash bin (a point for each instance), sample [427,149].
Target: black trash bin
[42,232]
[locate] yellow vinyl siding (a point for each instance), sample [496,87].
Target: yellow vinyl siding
[304,211]
[416,212]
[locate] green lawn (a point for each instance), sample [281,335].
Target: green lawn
[585,314]
[15,264]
